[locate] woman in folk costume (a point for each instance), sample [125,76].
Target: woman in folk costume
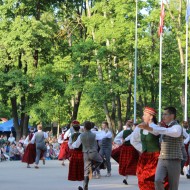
[128,154]
[64,149]
[76,165]
[187,147]
[148,145]
[30,151]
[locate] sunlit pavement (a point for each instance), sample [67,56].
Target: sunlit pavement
[53,176]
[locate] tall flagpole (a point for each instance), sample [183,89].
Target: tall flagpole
[135,69]
[186,63]
[160,66]
[160,80]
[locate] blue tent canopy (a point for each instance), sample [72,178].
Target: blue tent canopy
[8,125]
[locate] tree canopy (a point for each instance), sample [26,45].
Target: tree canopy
[63,60]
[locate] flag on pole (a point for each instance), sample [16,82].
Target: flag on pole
[187,13]
[162,14]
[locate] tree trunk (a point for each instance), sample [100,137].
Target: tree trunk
[15,118]
[119,115]
[25,124]
[128,110]
[76,105]
[179,31]
[37,18]
[113,115]
[182,71]
[100,74]
[108,118]
[128,106]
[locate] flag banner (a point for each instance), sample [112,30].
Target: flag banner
[162,14]
[187,13]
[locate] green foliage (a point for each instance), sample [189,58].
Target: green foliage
[88,53]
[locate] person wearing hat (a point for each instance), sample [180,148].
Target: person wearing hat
[30,151]
[64,149]
[128,157]
[169,163]
[76,164]
[148,146]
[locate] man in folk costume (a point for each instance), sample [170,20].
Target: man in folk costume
[91,157]
[76,164]
[169,163]
[106,147]
[39,138]
[64,149]
[187,147]
[148,145]
[128,154]
[30,151]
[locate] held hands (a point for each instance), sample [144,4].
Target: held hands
[144,126]
[123,141]
[162,124]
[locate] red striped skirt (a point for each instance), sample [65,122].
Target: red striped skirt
[186,148]
[29,154]
[146,169]
[76,166]
[128,160]
[64,151]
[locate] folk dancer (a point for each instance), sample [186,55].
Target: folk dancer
[64,149]
[39,138]
[169,163]
[128,154]
[91,157]
[76,164]
[148,146]
[30,151]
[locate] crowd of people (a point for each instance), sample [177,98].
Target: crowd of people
[14,150]
[157,153]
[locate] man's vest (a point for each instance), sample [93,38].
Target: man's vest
[39,136]
[88,140]
[171,147]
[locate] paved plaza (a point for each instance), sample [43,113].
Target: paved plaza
[53,176]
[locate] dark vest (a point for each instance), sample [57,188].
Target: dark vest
[88,140]
[171,147]
[106,143]
[74,138]
[150,142]
[126,133]
[39,136]
[30,136]
[188,131]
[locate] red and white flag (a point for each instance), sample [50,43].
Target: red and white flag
[162,14]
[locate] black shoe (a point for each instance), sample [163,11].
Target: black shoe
[125,182]
[182,173]
[80,188]
[188,176]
